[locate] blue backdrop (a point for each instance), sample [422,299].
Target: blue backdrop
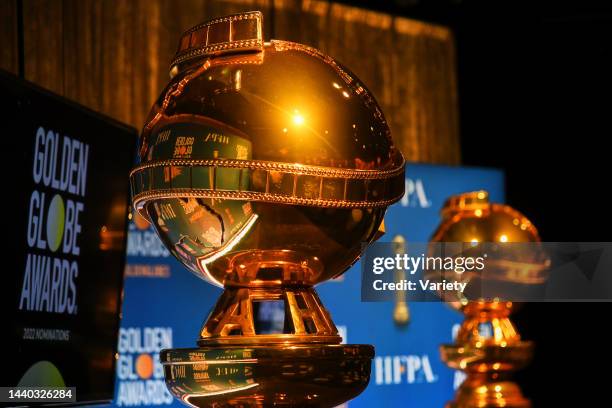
[164,306]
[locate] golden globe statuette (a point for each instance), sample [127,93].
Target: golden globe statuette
[487,346]
[263,167]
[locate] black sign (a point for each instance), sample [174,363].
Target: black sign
[65,206]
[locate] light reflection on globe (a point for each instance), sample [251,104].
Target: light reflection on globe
[277,168]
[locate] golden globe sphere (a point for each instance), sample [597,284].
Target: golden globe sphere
[470,218]
[268,166]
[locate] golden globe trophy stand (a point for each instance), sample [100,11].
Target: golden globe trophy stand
[264,166]
[487,346]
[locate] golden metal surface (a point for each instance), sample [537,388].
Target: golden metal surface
[306,320]
[290,127]
[263,168]
[488,347]
[471,219]
[236,33]
[306,375]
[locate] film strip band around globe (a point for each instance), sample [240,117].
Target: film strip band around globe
[271,182]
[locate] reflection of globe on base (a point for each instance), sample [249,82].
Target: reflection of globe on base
[263,168]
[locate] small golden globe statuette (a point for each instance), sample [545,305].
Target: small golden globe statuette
[263,167]
[487,346]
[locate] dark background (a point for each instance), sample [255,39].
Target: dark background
[87,360]
[535,82]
